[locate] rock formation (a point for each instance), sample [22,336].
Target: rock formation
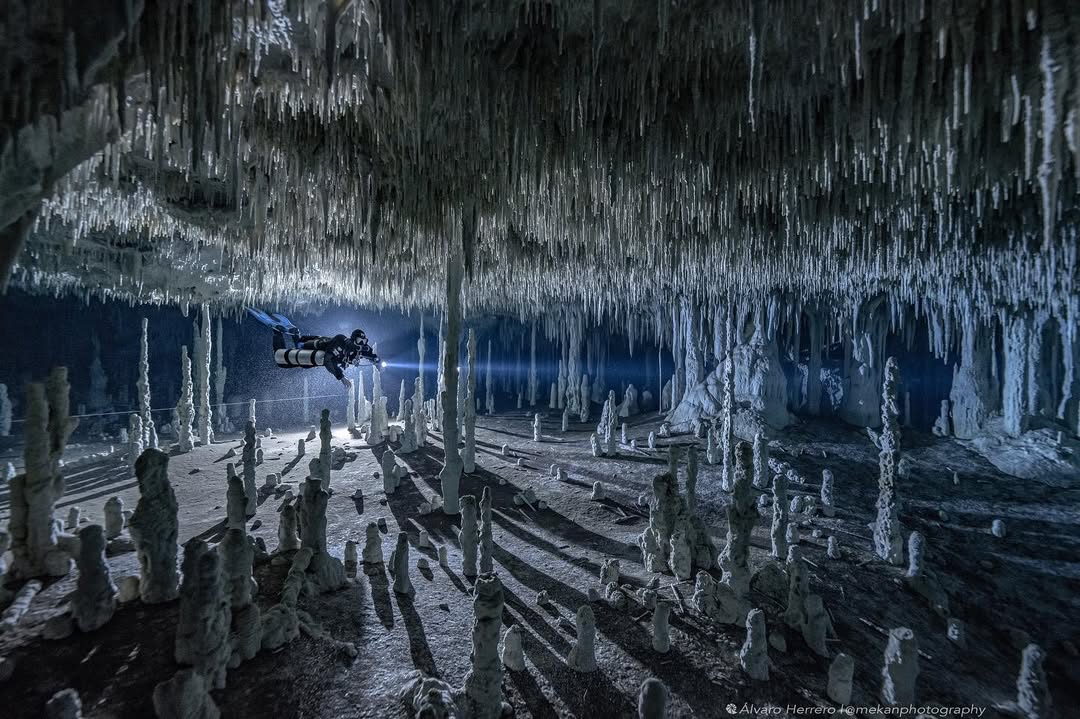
[153,527]
[661,633]
[1032,693]
[94,601]
[251,490]
[513,657]
[653,699]
[839,685]
[483,697]
[582,656]
[325,572]
[754,655]
[185,696]
[888,541]
[35,545]
[741,515]
[202,630]
[185,408]
[468,454]
[469,536]
[147,432]
[486,546]
[237,557]
[901,668]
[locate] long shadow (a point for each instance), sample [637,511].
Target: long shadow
[418,644]
[380,598]
[591,694]
[537,580]
[288,467]
[214,534]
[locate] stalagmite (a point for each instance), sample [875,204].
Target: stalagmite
[402,583]
[401,402]
[237,557]
[251,490]
[582,656]
[35,544]
[389,466]
[778,532]
[754,655]
[816,626]
[153,528]
[653,699]
[661,633]
[325,451]
[288,539]
[147,434]
[95,594]
[537,436]
[350,404]
[450,476]
[584,400]
[202,630]
[827,507]
[795,612]
[372,555]
[325,572]
[513,657]
[483,683]
[114,517]
[64,704]
[888,542]
[135,440]
[741,516]
[185,408]
[220,375]
[841,672]
[901,668]
[486,539]
[185,696]
[565,421]
[408,435]
[1032,692]
[204,415]
[469,536]
[5,412]
[468,454]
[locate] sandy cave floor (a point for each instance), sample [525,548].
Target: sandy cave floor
[1028,581]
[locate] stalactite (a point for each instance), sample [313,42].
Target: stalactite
[468,455]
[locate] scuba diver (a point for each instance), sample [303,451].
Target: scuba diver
[291,349]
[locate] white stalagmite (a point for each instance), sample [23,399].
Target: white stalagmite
[754,655]
[325,572]
[379,420]
[203,415]
[778,532]
[251,490]
[468,455]
[1032,692]
[220,374]
[553,401]
[582,656]
[584,400]
[653,699]
[94,600]
[421,350]
[350,403]
[487,542]
[841,672]
[400,416]
[135,439]
[489,386]
[1014,401]
[513,656]
[537,434]
[888,540]
[483,683]
[185,409]
[408,433]
[202,627]
[741,516]
[827,506]
[35,542]
[761,461]
[469,537]
[237,557]
[450,475]
[153,528]
[5,411]
[901,668]
[142,392]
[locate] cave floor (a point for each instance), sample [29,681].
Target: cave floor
[1028,581]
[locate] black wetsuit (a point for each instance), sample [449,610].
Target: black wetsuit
[338,351]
